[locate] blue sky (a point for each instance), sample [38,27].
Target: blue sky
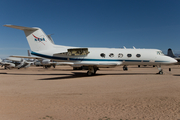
[92,23]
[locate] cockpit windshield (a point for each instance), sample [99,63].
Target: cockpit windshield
[160,53]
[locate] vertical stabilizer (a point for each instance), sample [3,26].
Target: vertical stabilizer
[170,53]
[37,39]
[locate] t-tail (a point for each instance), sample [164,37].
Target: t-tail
[170,53]
[37,39]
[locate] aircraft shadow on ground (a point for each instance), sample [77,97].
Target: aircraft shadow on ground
[56,69]
[176,75]
[79,75]
[34,74]
[3,73]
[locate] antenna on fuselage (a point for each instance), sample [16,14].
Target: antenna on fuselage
[134,47]
[124,47]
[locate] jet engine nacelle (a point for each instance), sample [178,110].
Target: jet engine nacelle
[46,62]
[11,65]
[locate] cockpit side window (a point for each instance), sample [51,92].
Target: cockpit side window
[160,53]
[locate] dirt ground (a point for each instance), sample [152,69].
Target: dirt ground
[113,94]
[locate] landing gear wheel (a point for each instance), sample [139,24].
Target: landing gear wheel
[89,73]
[92,70]
[95,72]
[160,72]
[125,68]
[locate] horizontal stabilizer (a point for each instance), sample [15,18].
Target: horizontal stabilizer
[21,27]
[37,39]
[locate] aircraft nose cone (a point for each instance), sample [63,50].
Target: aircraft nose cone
[174,60]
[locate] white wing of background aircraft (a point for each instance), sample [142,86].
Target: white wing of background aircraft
[93,58]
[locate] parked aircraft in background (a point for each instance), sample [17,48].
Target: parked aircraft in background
[46,63]
[15,63]
[171,54]
[38,61]
[93,58]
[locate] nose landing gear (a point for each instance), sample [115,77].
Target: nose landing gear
[160,70]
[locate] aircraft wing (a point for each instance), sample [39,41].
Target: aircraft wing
[6,63]
[99,64]
[64,63]
[89,63]
[29,57]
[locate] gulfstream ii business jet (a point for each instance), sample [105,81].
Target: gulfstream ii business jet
[93,58]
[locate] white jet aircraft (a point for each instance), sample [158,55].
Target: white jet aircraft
[93,58]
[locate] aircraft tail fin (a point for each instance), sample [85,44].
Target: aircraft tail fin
[36,38]
[170,53]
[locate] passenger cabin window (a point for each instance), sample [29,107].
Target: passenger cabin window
[120,55]
[111,55]
[138,55]
[102,55]
[160,53]
[129,55]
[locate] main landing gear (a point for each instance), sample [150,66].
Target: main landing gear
[92,70]
[160,70]
[125,68]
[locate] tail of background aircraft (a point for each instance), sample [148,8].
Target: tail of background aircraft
[29,53]
[170,53]
[37,39]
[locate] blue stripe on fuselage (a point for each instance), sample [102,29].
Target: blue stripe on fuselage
[84,59]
